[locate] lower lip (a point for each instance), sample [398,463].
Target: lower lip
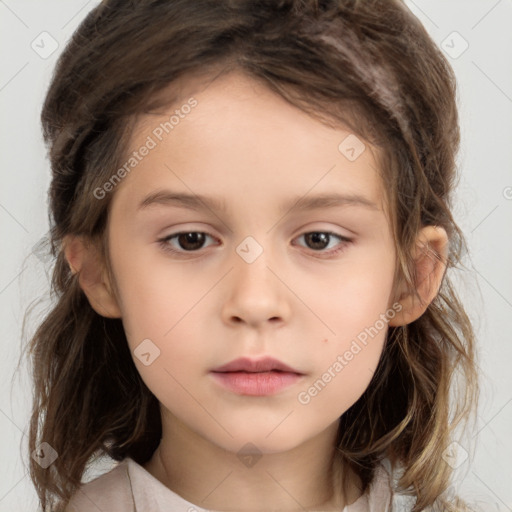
[256,384]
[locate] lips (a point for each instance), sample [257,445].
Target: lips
[266,364]
[256,377]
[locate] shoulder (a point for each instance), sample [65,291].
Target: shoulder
[110,491]
[380,495]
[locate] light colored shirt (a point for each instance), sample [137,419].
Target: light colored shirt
[129,487]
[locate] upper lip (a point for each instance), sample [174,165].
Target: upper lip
[246,364]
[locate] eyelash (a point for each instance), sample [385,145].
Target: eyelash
[164,243]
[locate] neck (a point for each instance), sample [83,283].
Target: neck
[307,477]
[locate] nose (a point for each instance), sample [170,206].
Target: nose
[256,296]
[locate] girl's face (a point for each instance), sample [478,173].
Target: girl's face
[260,274]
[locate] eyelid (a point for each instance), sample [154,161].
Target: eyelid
[344,240]
[164,242]
[340,247]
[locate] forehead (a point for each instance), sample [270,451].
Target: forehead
[232,95]
[241,131]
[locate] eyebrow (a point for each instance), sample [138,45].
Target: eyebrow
[201,203]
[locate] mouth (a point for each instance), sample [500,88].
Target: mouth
[261,377]
[266,364]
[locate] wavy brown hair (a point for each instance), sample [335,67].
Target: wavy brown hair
[369,64]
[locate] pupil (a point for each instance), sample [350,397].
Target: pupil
[187,240]
[319,238]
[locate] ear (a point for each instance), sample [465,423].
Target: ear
[85,259]
[430,256]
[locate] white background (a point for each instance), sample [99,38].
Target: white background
[483,210]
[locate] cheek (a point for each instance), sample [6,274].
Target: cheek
[338,387]
[355,306]
[345,362]
[164,321]
[355,298]
[156,296]
[166,335]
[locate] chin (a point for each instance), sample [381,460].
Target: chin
[261,441]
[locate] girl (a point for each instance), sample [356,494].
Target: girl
[250,212]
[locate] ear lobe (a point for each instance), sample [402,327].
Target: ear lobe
[430,255]
[84,259]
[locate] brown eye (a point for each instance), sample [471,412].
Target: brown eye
[191,241]
[318,241]
[185,241]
